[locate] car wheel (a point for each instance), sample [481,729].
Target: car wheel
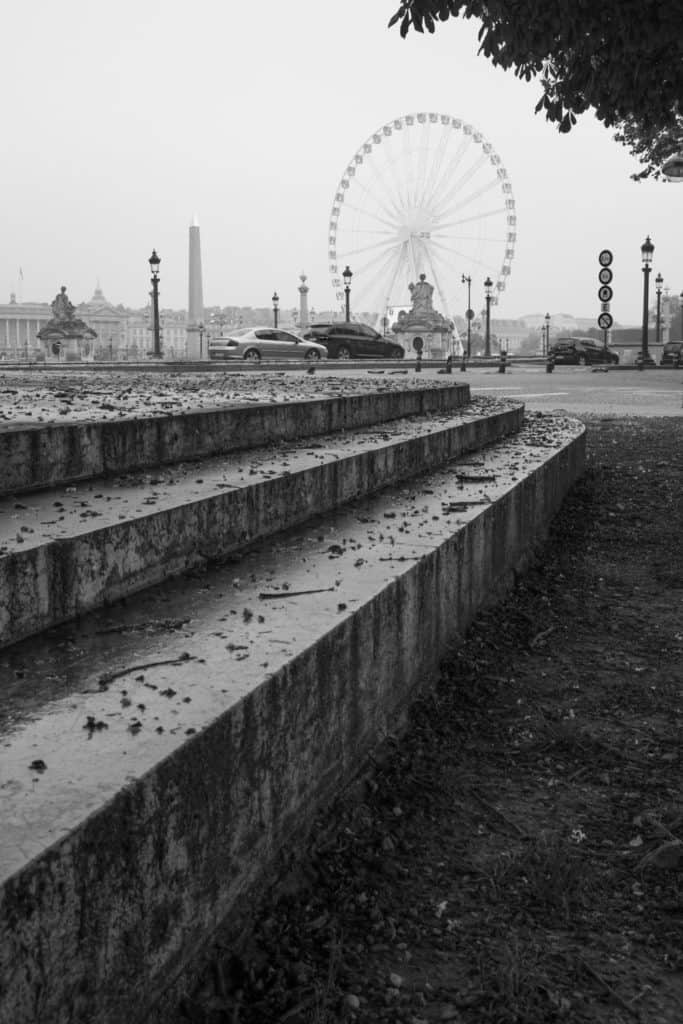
[343,352]
[398,353]
[582,360]
[313,354]
[252,355]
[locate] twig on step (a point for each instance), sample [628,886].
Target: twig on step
[109,677]
[293,593]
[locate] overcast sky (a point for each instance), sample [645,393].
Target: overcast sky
[123,120]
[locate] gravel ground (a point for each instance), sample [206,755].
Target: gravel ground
[516,855]
[59,397]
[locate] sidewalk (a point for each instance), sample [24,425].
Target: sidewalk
[517,856]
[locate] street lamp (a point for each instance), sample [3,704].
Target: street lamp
[681,307]
[466,279]
[659,281]
[347,275]
[200,328]
[488,292]
[154,262]
[547,334]
[646,251]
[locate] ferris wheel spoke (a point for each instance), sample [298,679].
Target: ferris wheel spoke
[370,215]
[375,259]
[458,185]
[348,253]
[471,198]
[475,216]
[468,258]
[452,166]
[380,202]
[373,283]
[410,171]
[436,165]
[399,260]
[390,159]
[422,163]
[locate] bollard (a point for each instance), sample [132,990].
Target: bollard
[503,362]
[449,364]
[463,363]
[550,364]
[418,363]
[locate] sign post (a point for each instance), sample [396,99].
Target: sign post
[605,293]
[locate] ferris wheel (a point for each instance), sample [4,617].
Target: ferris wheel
[426,193]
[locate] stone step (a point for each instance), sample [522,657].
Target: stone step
[52,454]
[156,754]
[68,550]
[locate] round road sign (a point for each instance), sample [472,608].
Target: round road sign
[470,314]
[605,321]
[605,276]
[605,258]
[605,293]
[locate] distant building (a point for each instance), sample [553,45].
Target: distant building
[19,325]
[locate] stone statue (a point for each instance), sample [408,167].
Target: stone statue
[65,328]
[421,295]
[63,310]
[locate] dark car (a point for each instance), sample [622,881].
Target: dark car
[581,352]
[353,341]
[672,354]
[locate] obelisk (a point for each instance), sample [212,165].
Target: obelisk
[196,344]
[303,302]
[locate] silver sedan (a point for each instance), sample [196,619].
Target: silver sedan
[256,343]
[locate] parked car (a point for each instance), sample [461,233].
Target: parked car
[256,343]
[672,354]
[581,352]
[353,341]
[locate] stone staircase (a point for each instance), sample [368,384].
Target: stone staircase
[207,621]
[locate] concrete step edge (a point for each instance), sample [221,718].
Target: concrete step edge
[45,584]
[49,455]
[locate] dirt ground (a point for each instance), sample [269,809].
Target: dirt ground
[517,855]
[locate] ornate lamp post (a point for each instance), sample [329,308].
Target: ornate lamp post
[681,308]
[646,251]
[466,279]
[659,281]
[488,292]
[547,334]
[154,262]
[347,275]
[201,329]
[276,304]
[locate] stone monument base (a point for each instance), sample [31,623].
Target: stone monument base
[436,344]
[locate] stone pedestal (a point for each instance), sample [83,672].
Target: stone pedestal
[303,303]
[193,345]
[422,329]
[436,343]
[66,338]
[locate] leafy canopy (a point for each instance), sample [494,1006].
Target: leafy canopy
[623,59]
